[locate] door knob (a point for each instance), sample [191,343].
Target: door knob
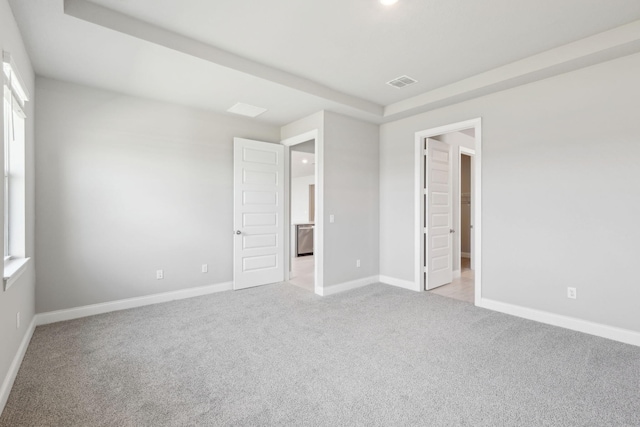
[238,232]
[451,230]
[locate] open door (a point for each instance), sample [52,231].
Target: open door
[439,247]
[258,193]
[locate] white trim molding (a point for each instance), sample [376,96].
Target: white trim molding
[347,286]
[124,304]
[7,384]
[400,283]
[626,336]
[299,139]
[13,269]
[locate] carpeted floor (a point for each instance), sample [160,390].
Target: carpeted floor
[279,355]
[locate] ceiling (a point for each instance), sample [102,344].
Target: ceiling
[298,166]
[297,57]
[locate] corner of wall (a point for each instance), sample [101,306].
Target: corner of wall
[20,298]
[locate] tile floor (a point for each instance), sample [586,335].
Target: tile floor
[462,288]
[302,272]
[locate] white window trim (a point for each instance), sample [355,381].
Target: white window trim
[13,80]
[14,266]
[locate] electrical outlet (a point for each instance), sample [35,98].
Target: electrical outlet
[332,218]
[358,263]
[205,268]
[571,293]
[159,274]
[18,320]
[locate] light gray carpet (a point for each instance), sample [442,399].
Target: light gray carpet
[278,355]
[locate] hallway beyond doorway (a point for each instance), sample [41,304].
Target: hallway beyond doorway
[461,288]
[302,272]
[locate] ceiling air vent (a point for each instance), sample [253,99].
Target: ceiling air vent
[401,81]
[246,110]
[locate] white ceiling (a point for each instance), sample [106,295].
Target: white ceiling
[296,57]
[299,168]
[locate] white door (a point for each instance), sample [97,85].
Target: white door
[439,250]
[258,200]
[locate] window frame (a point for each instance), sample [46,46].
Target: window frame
[14,113]
[14,97]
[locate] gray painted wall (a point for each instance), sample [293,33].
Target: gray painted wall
[127,186]
[305,124]
[560,192]
[351,186]
[350,152]
[20,296]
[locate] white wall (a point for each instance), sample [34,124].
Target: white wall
[300,198]
[20,296]
[127,186]
[560,186]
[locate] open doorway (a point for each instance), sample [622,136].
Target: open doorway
[462,286]
[302,196]
[447,210]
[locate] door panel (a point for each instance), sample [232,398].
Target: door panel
[258,213]
[439,248]
[260,241]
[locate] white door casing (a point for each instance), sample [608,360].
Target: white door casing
[258,200]
[420,246]
[472,234]
[439,212]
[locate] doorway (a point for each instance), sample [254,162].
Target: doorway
[311,264]
[448,220]
[302,184]
[462,286]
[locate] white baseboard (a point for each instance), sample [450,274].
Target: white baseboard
[347,286]
[456,274]
[405,284]
[465,254]
[617,334]
[15,365]
[93,309]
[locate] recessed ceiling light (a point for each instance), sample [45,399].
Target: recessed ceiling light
[305,161]
[246,110]
[388,2]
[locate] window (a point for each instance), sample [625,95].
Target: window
[14,136]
